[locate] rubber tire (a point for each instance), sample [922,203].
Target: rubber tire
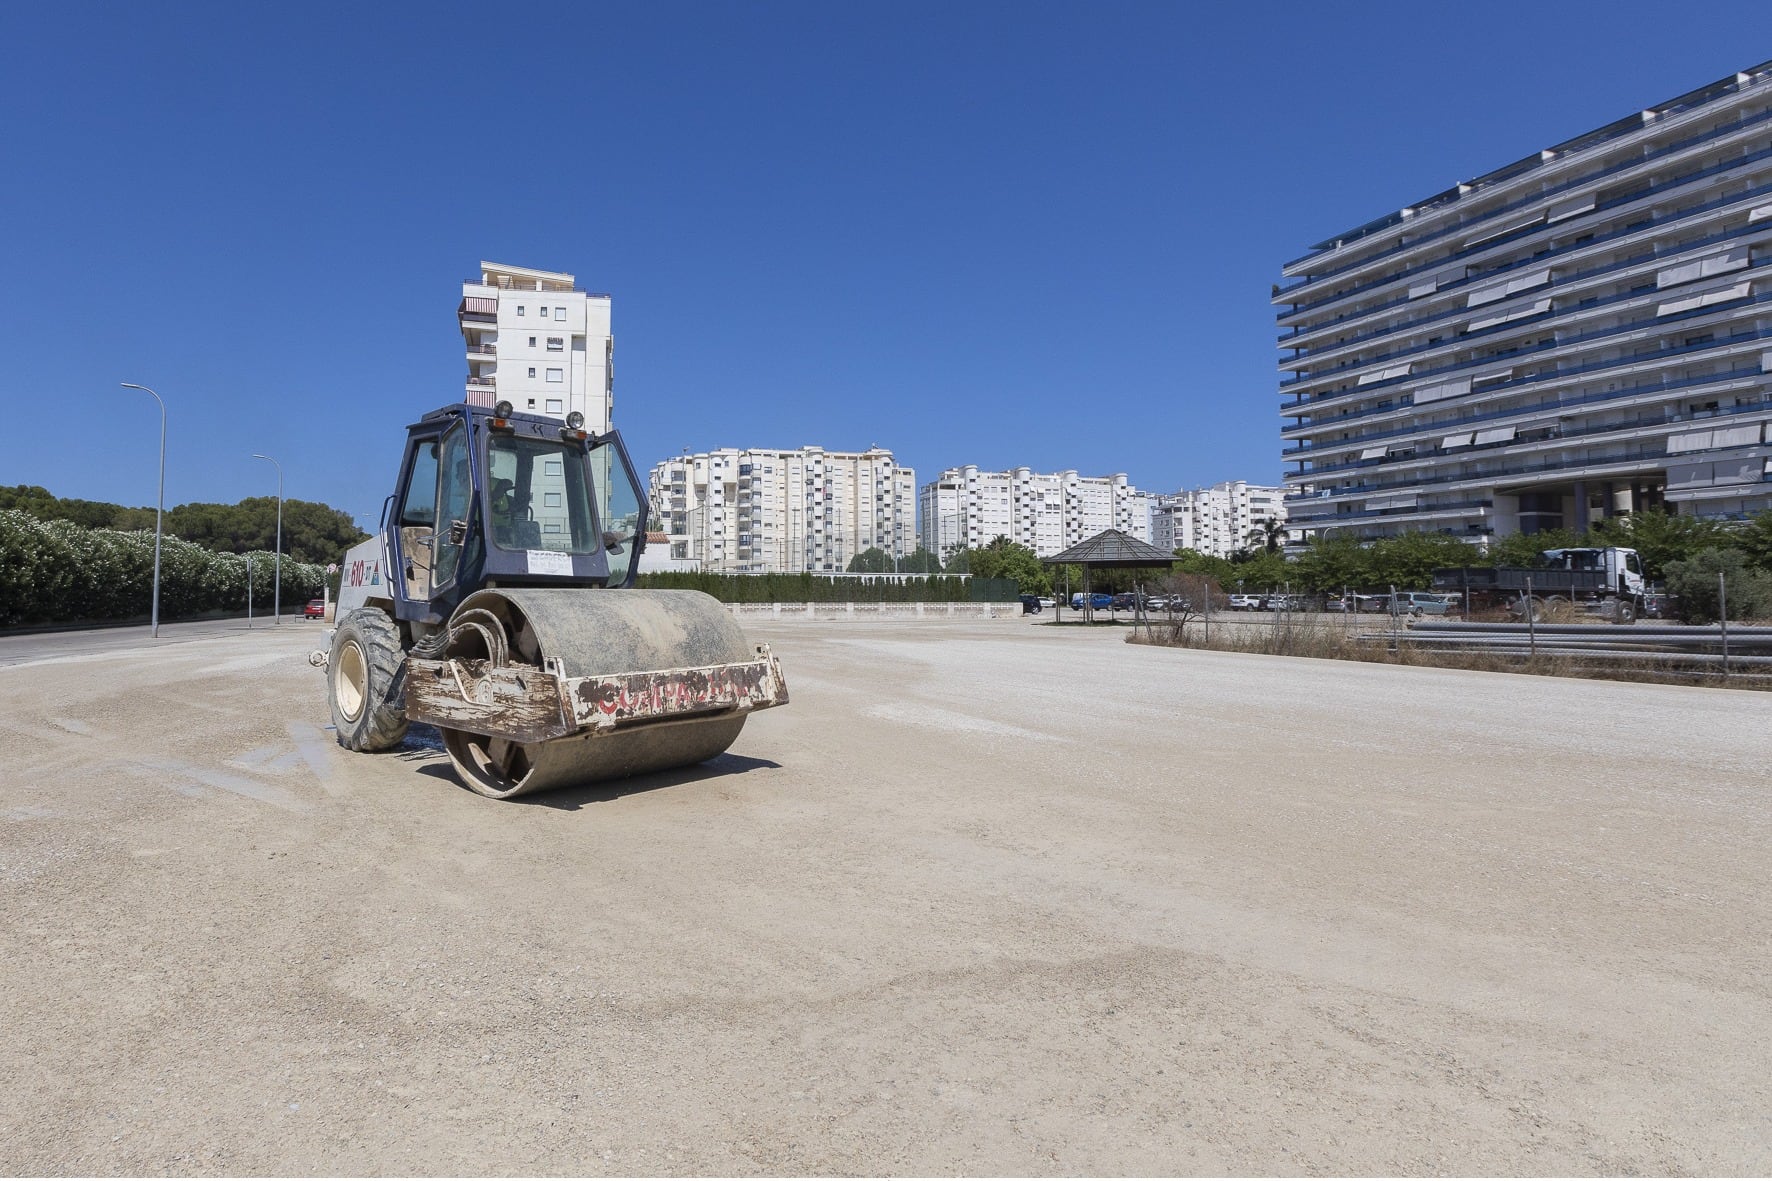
[367,640]
[1624,612]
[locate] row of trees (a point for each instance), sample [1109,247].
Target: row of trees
[1686,550]
[60,572]
[311,532]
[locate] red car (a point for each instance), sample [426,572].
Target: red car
[316,609]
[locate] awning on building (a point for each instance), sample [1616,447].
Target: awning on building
[1385,374]
[1570,208]
[1445,389]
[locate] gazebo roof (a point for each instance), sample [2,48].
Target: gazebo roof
[1112,548]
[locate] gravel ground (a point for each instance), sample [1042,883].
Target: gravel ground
[986,898]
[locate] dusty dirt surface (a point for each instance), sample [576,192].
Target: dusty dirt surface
[986,898]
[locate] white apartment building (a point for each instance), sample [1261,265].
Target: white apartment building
[534,339]
[1217,521]
[763,512]
[965,508]
[1582,333]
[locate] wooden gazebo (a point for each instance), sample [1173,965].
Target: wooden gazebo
[1111,549]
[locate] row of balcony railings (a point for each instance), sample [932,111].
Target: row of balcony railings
[1526,350]
[1753,229]
[1708,341]
[1489,475]
[1440,426]
[483,350]
[1567,223]
[1618,129]
[1555,434]
[1319,519]
[510,283]
[1742,123]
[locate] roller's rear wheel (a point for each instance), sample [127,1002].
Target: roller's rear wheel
[362,679]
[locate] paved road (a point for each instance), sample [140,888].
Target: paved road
[986,898]
[17,649]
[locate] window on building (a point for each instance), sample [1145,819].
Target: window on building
[519,309]
[532,374]
[555,406]
[559,313]
[556,375]
[532,342]
[544,313]
[556,344]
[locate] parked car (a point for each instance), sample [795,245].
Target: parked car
[1030,604]
[1281,603]
[316,609]
[1100,601]
[1422,603]
[1048,601]
[1245,602]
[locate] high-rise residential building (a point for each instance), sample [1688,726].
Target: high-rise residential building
[1047,512]
[535,340]
[763,511]
[1583,333]
[1219,520]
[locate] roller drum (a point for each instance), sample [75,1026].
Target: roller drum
[592,633]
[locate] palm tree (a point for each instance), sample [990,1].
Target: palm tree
[1270,535]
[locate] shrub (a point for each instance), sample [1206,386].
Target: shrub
[1693,584]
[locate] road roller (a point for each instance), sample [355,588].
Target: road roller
[497,603]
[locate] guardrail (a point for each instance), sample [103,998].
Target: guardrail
[875,611]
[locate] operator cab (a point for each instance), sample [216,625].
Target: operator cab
[488,497]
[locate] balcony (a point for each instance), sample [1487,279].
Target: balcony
[1646,197]
[1429,430]
[1394,221]
[1563,316]
[1564,285]
[482,350]
[1633,457]
[1534,355]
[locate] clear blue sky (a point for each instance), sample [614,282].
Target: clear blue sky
[1007,233]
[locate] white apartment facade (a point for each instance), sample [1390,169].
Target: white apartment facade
[1219,520]
[1048,512]
[1584,333]
[534,339]
[761,511]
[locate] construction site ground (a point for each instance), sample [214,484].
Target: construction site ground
[987,897]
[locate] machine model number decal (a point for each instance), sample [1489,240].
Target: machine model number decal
[363,574]
[542,561]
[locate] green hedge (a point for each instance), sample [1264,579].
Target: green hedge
[816,588]
[60,572]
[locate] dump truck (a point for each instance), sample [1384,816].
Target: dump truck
[497,603]
[1608,580]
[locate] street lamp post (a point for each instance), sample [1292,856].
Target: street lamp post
[277,587]
[159,507]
